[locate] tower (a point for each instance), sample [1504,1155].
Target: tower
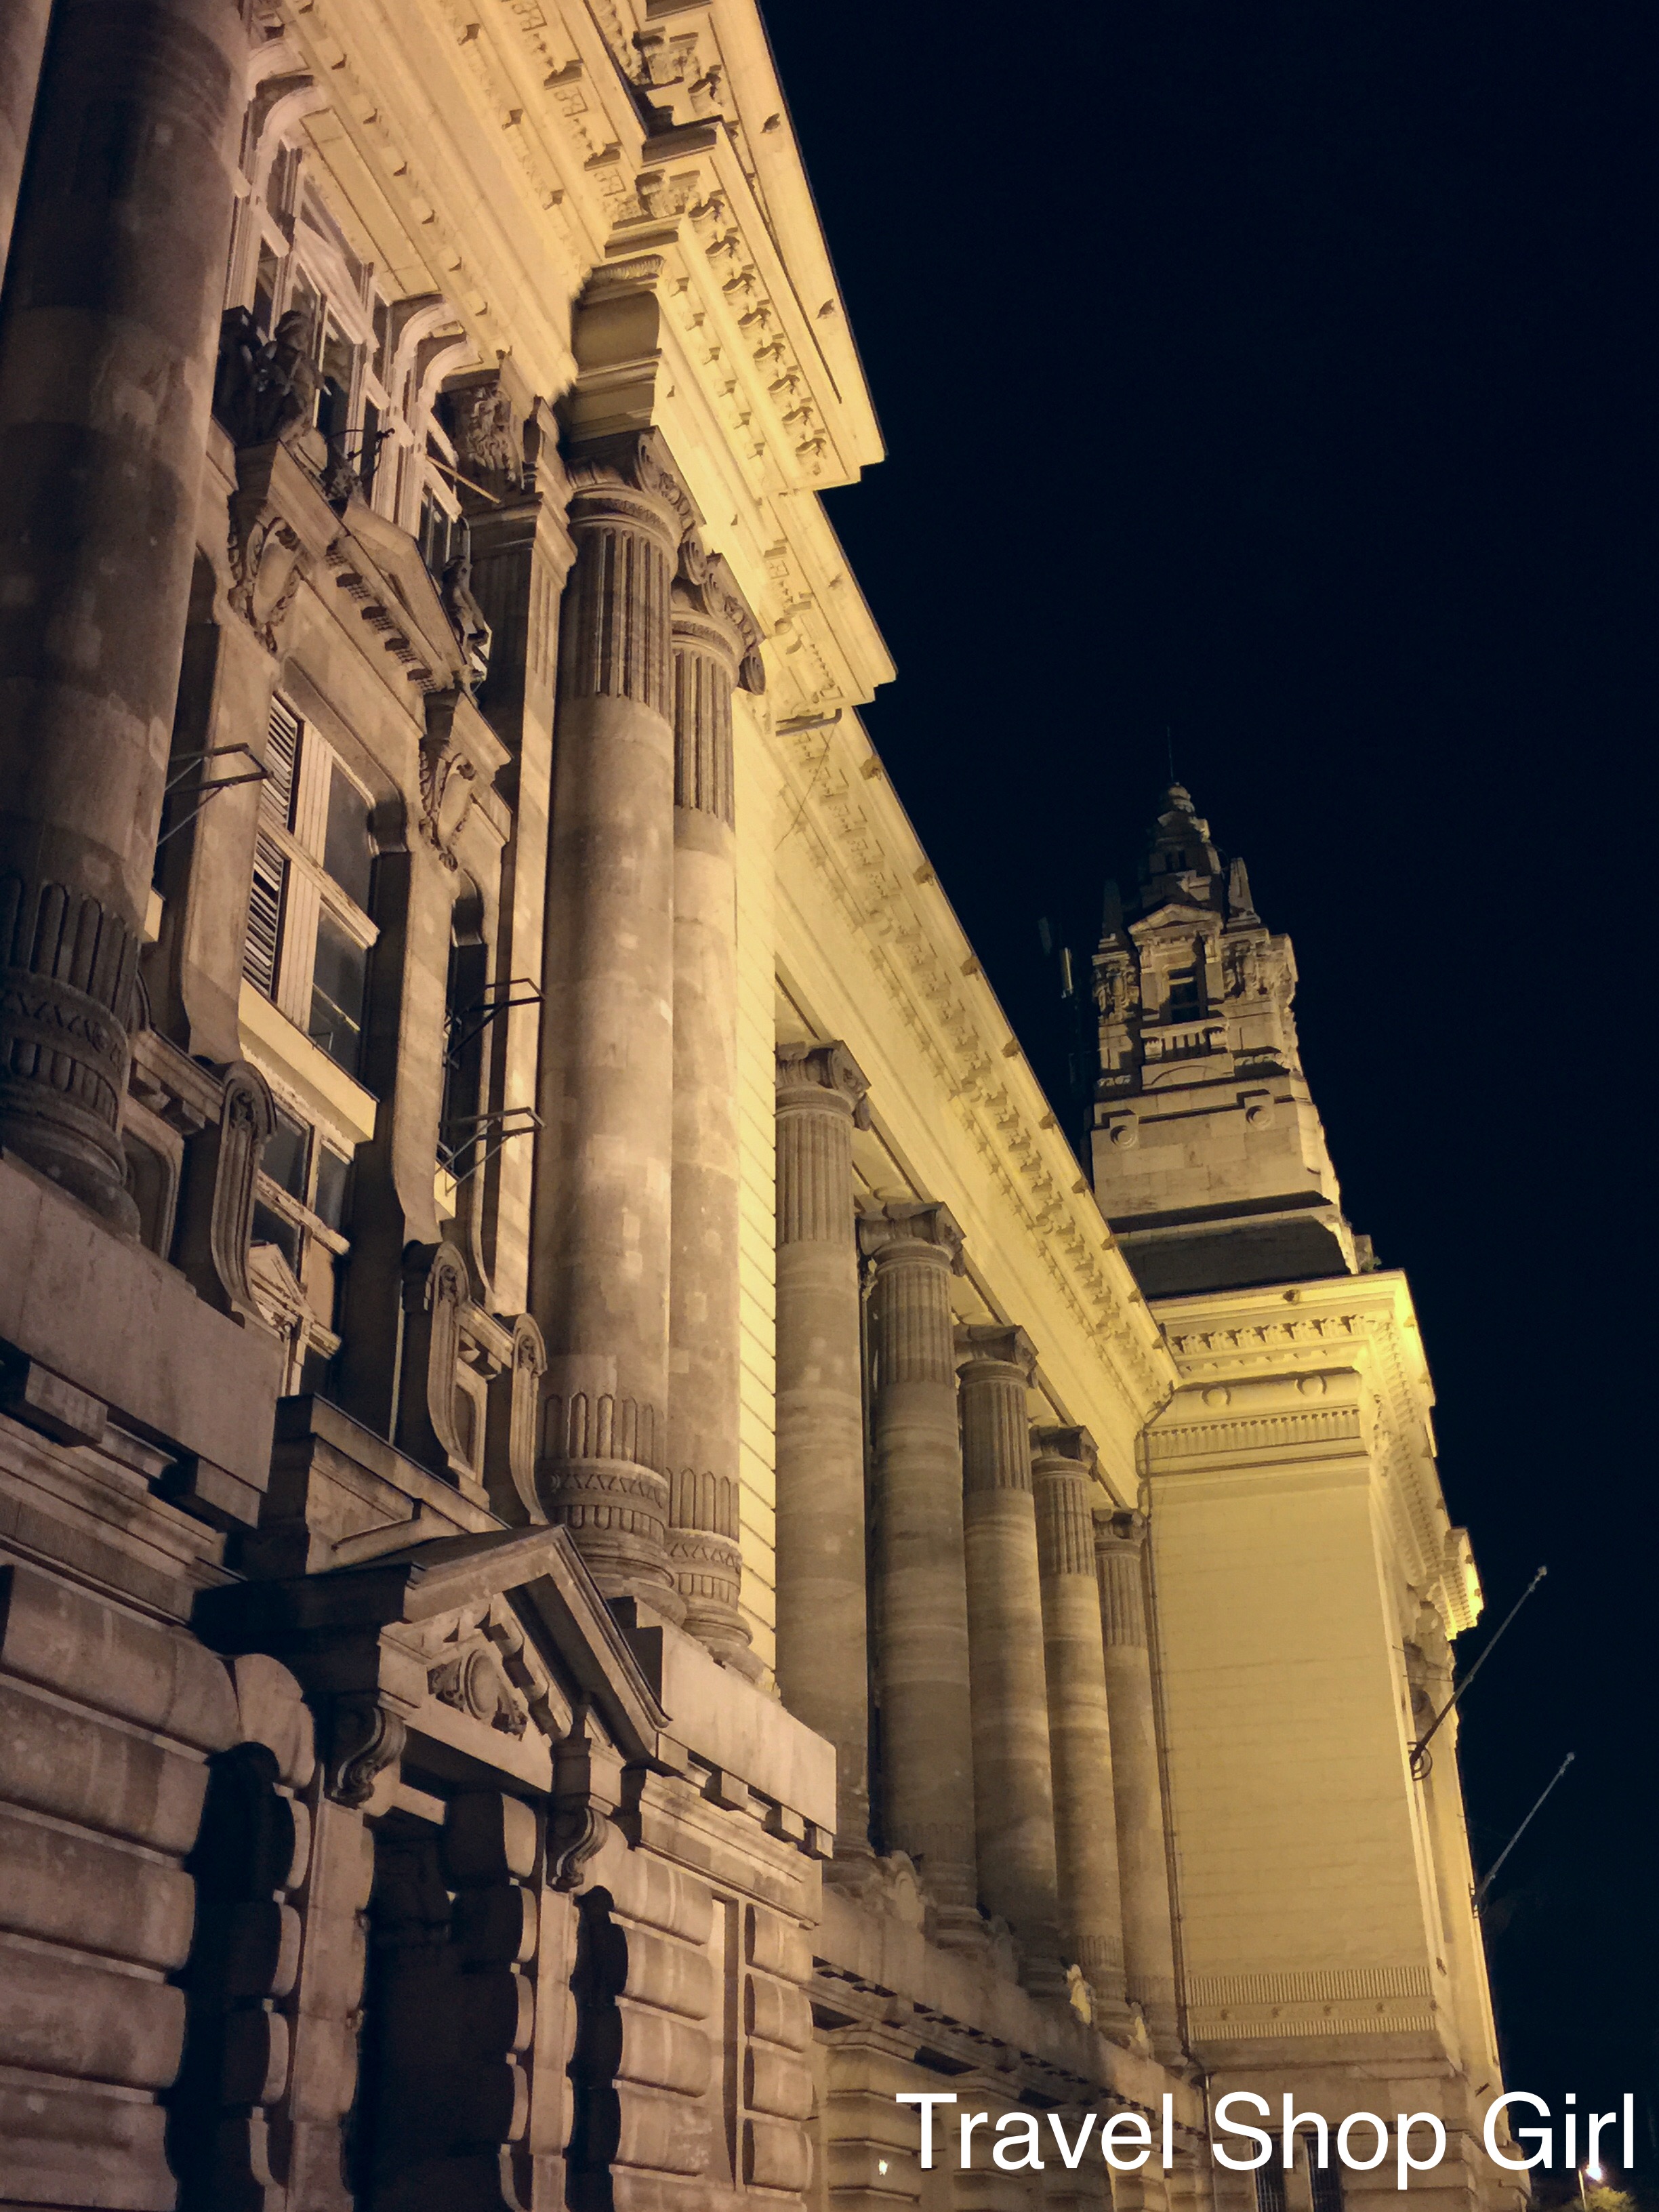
[1209,1158]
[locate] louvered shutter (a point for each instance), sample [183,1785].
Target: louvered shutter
[281,764]
[264,916]
[266,894]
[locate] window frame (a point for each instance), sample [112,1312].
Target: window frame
[297,833]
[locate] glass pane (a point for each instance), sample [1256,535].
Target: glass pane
[347,853]
[270,1227]
[284,1157]
[337,993]
[264,289]
[333,1187]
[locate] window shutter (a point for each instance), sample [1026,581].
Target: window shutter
[264,916]
[281,762]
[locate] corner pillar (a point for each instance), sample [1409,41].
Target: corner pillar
[107,345]
[711,628]
[1079,1725]
[823,1660]
[1013,1791]
[601,1232]
[1142,1865]
[925,1713]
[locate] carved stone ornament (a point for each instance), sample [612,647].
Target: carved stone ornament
[364,1738]
[470,1677]
[268,562]
[488,443]
[448,779]
[265,390]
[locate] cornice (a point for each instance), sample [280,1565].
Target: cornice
[842,819]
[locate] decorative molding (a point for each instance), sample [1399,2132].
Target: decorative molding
[1317,1985]
[216,1219]
[437,1291]
[1266,1432]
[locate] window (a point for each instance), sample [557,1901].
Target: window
[1181,1000]
[308,928]
[1326,2182]
[1269,2188]
[301,1206]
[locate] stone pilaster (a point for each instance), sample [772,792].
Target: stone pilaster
[823,1663]
[1143,1863]
[601,1229]
[1079,1726]
[925,1719]
[1013,1792]
[711,628]
[108,344]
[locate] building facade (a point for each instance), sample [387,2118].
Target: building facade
[610,1560]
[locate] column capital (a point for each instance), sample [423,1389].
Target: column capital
[708,608]
[1121,1532]
[1065,1444]
[993,1344]
[825,1076]
[913,1230]
[632,471]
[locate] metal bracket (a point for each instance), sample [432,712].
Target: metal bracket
[485,1010]
[258,773]
[491,1130]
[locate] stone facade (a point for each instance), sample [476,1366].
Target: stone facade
[599,1570]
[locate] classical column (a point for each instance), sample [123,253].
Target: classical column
[600,1236]
[1079,1729]
[822,1664]
[711,628]
[22,40]
[925,1719]
[107,342]
[1142,1865]
[1013,1792]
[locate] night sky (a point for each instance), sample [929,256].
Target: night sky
[1286,375]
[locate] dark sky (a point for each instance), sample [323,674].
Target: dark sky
[1286,374]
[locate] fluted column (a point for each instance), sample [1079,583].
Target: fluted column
[108,341]
[600,1245]
[1142,1865]
[709,624]
[1079,1727]
[925,1717]
[823,1663]
[1013,1793]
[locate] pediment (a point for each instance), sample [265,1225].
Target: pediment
[452,1592]
[380,565]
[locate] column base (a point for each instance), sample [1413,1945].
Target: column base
[616,1512]
[707,1569]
